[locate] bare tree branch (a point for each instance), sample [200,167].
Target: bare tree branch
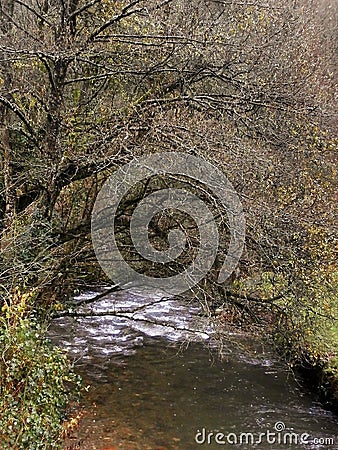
[124,13]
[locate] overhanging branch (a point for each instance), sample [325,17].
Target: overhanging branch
[125,13]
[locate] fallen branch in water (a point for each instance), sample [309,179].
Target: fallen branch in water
[97,297]
[67,313]
[77,315]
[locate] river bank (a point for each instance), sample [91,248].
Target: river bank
[322,379]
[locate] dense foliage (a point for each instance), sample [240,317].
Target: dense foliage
[36,381]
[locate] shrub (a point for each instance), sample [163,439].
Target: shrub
[36,382]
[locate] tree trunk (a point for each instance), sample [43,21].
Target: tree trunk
[10,194]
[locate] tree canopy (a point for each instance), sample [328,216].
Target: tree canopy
[87,86]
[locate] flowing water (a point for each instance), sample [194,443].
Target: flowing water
[161,386]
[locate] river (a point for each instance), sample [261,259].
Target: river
[164,386]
